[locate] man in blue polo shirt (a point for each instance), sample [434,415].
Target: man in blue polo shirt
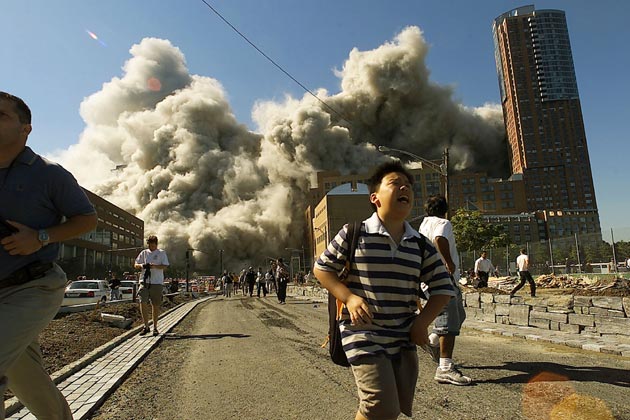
[42,205]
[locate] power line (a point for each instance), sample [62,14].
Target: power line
[333,110]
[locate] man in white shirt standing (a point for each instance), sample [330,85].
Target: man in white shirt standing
[523,271]
[483,268]
[448,323]
[153,262]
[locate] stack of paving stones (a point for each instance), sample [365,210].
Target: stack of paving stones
[599,323]
[87,383]
[594,323]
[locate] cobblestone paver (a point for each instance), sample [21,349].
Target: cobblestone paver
[609,343]
[86,389]
[617,345]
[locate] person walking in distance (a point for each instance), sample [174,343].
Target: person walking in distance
[380,328]
[250,278]
[242,281]
[522,261]
[448,323]
[228,284]
[270,280]
[282,279]
[483,268]
[114,286]
[41,205]
[153,262]
[260,283]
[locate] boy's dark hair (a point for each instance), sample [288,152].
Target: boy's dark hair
[152,238]
[524,251]
[21,109]
[436,205]
[384,169]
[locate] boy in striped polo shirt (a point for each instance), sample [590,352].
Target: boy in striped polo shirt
[380,328]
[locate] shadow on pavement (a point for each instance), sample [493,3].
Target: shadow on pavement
[618,377]
[203,336]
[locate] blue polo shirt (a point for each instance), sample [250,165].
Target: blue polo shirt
[39,194]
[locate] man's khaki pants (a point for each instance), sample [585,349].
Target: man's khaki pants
[25,310]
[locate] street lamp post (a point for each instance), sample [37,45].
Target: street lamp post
[221,261]
[188,252]
[442,168]
[111,249]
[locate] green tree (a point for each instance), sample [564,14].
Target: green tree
[473,233]
[623,250]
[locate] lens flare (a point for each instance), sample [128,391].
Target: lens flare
[95,37]
[154,84]
[542,393]
[550,396]
[581,407]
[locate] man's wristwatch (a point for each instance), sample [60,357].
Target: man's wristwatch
[43,237]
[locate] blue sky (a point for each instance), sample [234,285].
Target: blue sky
[50,60]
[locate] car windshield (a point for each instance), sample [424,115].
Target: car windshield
[84,285]
[127,283]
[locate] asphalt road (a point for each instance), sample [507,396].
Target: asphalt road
[251,358]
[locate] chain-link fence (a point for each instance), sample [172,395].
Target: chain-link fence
[572,254]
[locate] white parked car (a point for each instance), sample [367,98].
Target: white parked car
[85,291]
[126,288]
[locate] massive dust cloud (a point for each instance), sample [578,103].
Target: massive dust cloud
[164,145]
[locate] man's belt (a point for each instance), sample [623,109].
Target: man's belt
[25,274]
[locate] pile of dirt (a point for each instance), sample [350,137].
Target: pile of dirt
[586,285]
[69,337]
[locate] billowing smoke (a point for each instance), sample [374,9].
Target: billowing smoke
[200,179]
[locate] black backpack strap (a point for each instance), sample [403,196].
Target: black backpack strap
[352,236]
[422,240]
[335,346]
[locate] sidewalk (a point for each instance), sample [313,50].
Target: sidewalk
[87,385]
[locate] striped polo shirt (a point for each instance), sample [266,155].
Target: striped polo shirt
[388,277]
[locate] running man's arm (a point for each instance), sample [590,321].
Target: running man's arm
[444,248]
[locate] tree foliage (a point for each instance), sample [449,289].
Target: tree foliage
[473,233]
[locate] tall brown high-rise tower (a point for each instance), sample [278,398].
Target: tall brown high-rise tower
[543,116]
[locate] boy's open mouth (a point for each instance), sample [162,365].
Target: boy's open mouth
[403,199]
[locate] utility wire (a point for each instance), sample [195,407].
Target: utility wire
[333,110]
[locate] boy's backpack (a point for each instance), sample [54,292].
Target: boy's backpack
[335,348]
